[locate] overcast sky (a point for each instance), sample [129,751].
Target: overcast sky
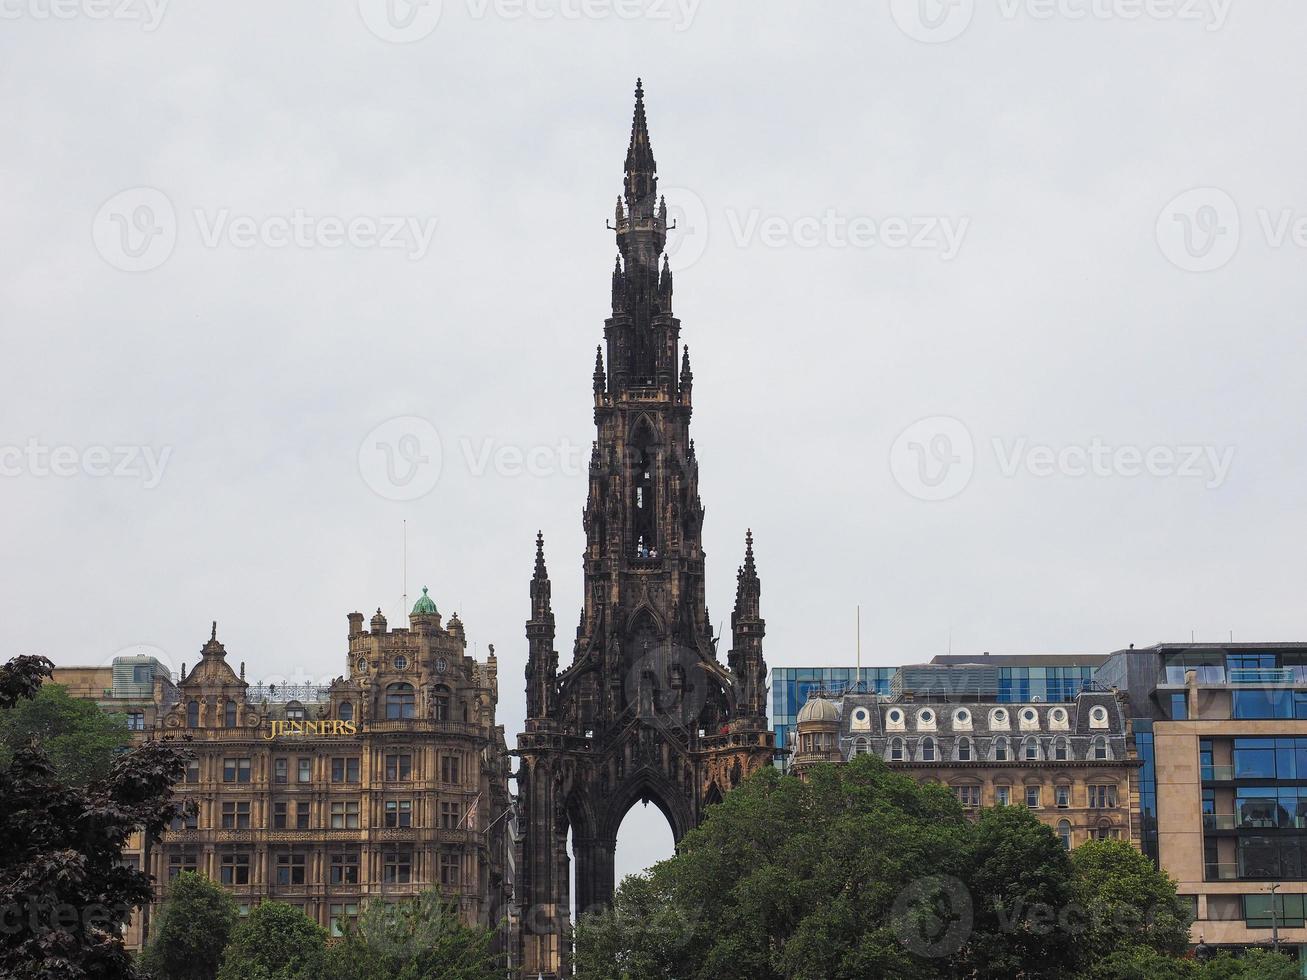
[996,316]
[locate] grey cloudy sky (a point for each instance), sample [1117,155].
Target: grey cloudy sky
[1068,236]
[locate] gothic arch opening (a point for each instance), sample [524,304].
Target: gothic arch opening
[644,838]
[644,503]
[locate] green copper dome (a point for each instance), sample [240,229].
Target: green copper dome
[425,606]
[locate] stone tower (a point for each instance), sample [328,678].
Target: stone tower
[646,711]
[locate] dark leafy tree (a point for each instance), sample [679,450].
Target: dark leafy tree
[275,942]
[421,938]
[67,895]
[190,930]
[1127,901]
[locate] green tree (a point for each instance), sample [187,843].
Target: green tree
[853,874]
[1254,964]
[1127,901]
[422,938]
[1022,882]
[78,738]
[1137,962]
[68,895]
[275,942]
[190,930]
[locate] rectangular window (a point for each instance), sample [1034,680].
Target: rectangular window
[302,815]
[449,769]
[136,721]
[1254,758]
[290,869]
[1287,912]
[968,796]
[1263,704]
[343,917]
[344,815]
[399,813]
[1002,795]
[450,869]
[235,770]
[192,770]
[1062,797]
[397,867]
[188,819]
[399,768]
[1102,797]
[305,770]
[345,770]
[451,815]
[1032,796]
[279,810]
[180,861]
[1179,707]
[280,769]
[234,869]
[235,815]
[345,868]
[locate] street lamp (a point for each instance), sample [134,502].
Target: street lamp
[1275,919]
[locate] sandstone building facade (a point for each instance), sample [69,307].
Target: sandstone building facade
[391,780]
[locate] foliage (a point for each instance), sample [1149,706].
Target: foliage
[1254,964]
[862,872]
[69,897]
[275,942]
[422,938]
[80,740]
[1127,900]
[190,930]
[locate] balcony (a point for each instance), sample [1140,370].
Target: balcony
[1222,872]
[1217,774]
[1219,821]
[1261,675]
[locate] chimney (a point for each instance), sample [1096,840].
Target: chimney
[355,623]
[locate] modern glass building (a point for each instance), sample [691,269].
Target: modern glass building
[1019,677]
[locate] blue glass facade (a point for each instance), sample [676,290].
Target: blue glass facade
[790,686]
[1143,729]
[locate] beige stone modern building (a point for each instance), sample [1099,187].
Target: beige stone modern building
[1222,732]
[388,781]
[1070,763]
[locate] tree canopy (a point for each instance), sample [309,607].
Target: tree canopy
[60,869]
[275,942]
[862,872]
[190,930]
[78,739]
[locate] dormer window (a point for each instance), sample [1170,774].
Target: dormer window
[346,711]
[294,712]
[229,715]
[192,714]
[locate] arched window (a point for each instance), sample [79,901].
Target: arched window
[927,749]
[1061,749]
[896,750]
[399,701]
[1064,833]
[1030,750]
[229,715]
[192,714]
[295,711]
[1100,751]
[860,746]
[964,749]
[346,712]
[1000,749]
